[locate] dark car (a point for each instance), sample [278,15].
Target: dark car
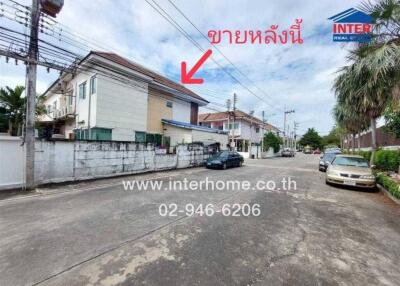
[327,159]
[225,159]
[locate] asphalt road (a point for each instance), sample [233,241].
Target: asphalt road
[96,233]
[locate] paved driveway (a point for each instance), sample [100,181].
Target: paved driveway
[95,233]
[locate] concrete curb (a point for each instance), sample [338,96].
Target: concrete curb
[388,194]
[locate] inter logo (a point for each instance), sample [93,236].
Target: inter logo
[352,26]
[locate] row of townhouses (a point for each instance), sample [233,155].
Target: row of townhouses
[109,97]
[245,131]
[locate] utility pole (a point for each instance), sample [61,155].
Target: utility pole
[295,126]
[228,107]
[234,114]
[251,133]
[31,76]
[286,112]
[262,132]
[50,8]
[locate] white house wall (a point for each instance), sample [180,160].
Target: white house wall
[121,107]
[248,133]
[177,135]
[82,104]
[181,111]
[207,136]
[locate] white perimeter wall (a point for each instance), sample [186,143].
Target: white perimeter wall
[60,161]
[11,161]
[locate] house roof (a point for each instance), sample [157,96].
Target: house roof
[139,68]
[192,126]
[157,78]
[222,116]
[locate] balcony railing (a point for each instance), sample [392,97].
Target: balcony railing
[64,111]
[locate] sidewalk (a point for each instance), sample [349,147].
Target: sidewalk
[93,184]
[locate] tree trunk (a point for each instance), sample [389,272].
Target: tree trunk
[359,141]
[373,140]
[9,127]
[353,143]
[348,143]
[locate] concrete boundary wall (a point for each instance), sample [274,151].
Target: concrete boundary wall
[62,161]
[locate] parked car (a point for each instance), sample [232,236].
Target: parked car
[224,160]
[350,170]
[326,160]
[317,151]
[287,152]
[334,149]
[307,150]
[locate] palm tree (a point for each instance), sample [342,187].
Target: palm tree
[13,106]
[350,121]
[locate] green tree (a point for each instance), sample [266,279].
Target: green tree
[272,141]
[392,118]
[333,139]
[13,106]
[311,138]
[350,120]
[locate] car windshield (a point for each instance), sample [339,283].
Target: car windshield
[329,157]
[351,161]
[220,155]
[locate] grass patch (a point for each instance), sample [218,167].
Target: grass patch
[389,184]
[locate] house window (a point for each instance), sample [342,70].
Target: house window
[155,139]
[55,105]
[140,137]
[257,130]
[93,84]
[48,109]
[231,126]
[100,134]
[82,90]
[70,99]
[169,104]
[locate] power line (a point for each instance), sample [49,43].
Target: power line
[196,44]
[226,58]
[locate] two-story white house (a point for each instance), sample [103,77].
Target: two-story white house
[246,131]
[108,97]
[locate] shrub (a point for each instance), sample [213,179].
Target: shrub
[365,154]
[387,160]
[272,141]
[389,184]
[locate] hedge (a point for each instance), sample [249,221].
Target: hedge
[387,160]
[389,184]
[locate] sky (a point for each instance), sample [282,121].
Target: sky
[297,77]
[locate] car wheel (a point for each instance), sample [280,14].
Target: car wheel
[240,164]
[224,166]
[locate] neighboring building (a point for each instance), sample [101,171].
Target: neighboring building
[245,129]
[112,98]
[179,133]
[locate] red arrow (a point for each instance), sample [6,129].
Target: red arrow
[187,77]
